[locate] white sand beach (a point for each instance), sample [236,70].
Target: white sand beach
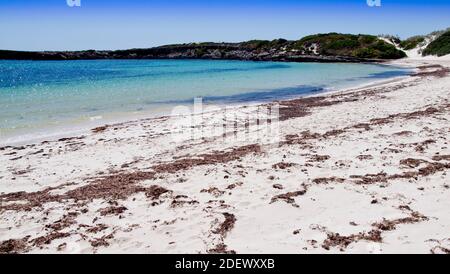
[364,170]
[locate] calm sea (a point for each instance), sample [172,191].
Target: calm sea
[43,98]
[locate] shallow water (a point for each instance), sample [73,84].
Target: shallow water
[39,97]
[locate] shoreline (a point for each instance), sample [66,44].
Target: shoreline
[86,127]
[363,170]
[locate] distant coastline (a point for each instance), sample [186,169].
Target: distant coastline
[326,48]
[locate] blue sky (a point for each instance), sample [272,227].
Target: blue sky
[121,24]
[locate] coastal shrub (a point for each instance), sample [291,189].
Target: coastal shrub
[256,44]
[361,46]
[343,44]
[412,42]
[200,52]
[440,46]
[367,39]
[365,53]
[264,44]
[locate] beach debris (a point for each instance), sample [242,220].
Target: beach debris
[403,133]
[100,129]
[14,246]
[213,191]
[154,192]
[221,249]
[412,163]
[389,225]
[47,239]
[120,185]
[433,168]
[68,139]
[103,241]
[318,158]
[441,158]
[422,146]
[364,157]
[440,250]
[374,235]
[233,186]
[97,228]
[227,225]
[181,200]
[439,71]
[278,186]
[216,157]
[342,242]
[327,180]
[288,197]
[364,126]
[302,107]
[333,133]
[67,220]
[283,165]
[112,210]
[370,178]
[61,247]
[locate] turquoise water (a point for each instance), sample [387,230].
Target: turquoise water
[46,96]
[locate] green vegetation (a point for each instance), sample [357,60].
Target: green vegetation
[327,47]
[412,42]
[264,44]
[440,46]
[361,46]
[200,52]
